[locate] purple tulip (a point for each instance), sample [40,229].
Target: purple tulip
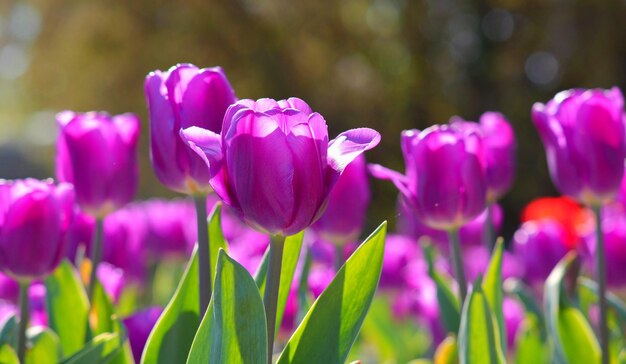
[80,235]
[34,217]
[400,251]
[513,316]
[7,309]
[138,326]
[171,227]
[477,259]
[273,163]
[182,97]
[583,134]
[97,153]
[9,289]
[498,140]
[540,245]
[347,206]
[37,304]
[112,279]
[614,230]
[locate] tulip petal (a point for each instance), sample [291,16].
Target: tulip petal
[398,179]
[350,144]
[208,145]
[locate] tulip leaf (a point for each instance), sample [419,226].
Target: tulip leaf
[612,300]
[478,342]
[531,346]
[448,302]
[233,329]
[447,352]
[492,287]
[99,350]
[516,287]
[291,254]
[173,332]
[44,346]
[68,307]
[8,331]
[572,336]
[8,355]
[216,236]
[332,324]
[102,311]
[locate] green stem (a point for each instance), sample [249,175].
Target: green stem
[303,287]
[270,299]
[601,277]
[96,256]
[204,257]
[457,260]
[490,232]
[24,317]
[338,257]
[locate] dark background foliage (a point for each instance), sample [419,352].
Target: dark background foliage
[386,64]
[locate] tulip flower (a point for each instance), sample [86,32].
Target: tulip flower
[583,132]
[274,165]
[614,237]
[179,98]
[171,228]
[445,182]
[34,218]
[9,288]
[514,314]
[97,153]
[345,214]
[139,325]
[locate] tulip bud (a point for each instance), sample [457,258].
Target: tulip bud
[445,180]
[97,153]
[273,163]
[583,134]
[34,217]
[180,98]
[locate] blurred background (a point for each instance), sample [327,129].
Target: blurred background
[386,64]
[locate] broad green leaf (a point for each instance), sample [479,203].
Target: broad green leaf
[99,350]
[531,347]
[492,286]
[448,302]
[8,331]
[291,253]
[447,352]
[44,346]
[102,312]
[477,337]
[329,329]
[68,307]
[173,332]
[572,336]
[621,359]
[8,355]
[233,329]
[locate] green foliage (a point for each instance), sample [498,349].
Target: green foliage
[234,329]
[492,286]
[478,341]
[44,346]
[100,349]
[572,337]
[291,254]
[8,331]
[216,236]
[448,302]
[8,355]
[531,348]
[329,329]
[68,308]
[447,352]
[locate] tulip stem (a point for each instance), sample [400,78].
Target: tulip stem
[24,317]
[96,256]
[270,299]
[303,287]
[490,231]
[601,277]
[457,260]
[338,257]
[204,254]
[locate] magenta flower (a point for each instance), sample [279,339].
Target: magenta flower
[171,227]
[9,289]
[445,180]
[138,326]
[498,139]
[477,260]
[97,153]
[180,98]
[540,245]
[514,314]
[583,134]
[34,217]
[614,233]
[273,162]
[344,217]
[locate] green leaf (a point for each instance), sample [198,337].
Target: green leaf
[329,329]
[173,332]
[216,236]
[492,287]
[68,307]
[8,355]
[531,348]
[103,313]
[8,331]
[448,302]
[517,288]
[447,352]
[477,337]
[44,346]
[572,336]
[291,253]
[233,329]
[612,300]
[99,350]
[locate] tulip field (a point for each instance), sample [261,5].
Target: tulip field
[264,257]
